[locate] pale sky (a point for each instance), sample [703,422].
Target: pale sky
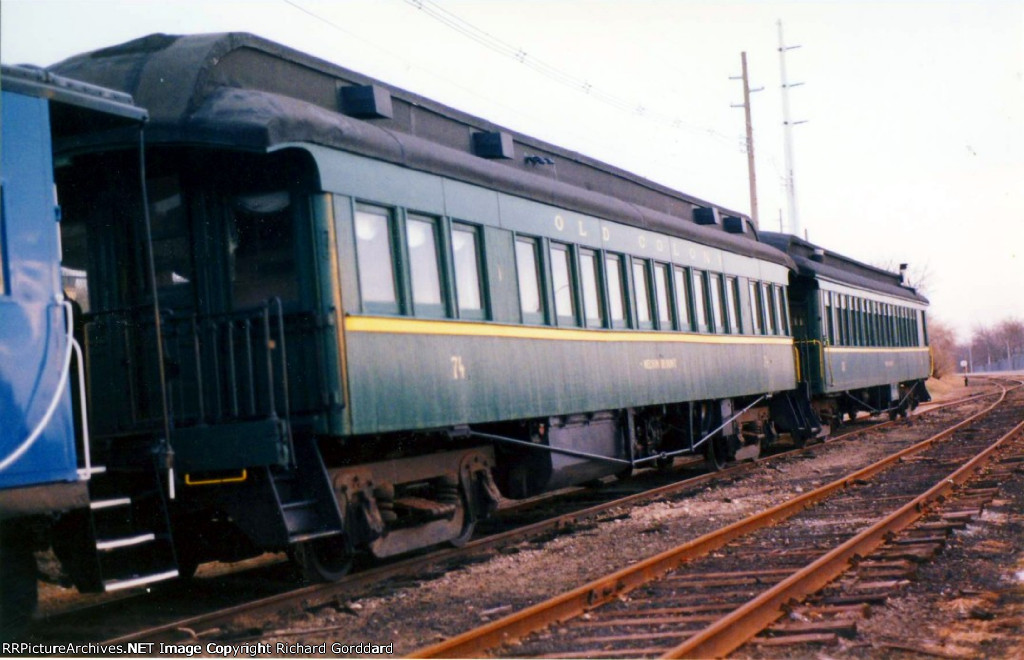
[913,150]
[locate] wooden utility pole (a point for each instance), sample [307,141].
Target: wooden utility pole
[751,174]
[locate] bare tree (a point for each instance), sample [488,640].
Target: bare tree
[917,276]
[942,339]
[1010,333]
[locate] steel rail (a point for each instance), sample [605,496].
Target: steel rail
[576,602]
[320,593]
[735,629]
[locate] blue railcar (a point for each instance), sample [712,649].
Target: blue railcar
[44,460]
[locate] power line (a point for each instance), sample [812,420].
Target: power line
[560,76]
[649,161]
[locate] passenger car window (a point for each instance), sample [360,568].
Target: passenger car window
[718,303]
[642,289]
[700,308]
[682,298]
[780,310]
[421,239]
[732,293]
[756,307]
[593,310]
[562,283]
[466,260]
[529,280]
[828,324]
[772,327]
[376,264]
[616,290]
[661,296]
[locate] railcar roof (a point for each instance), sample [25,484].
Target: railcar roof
[75,106]
[237,90]
[814,261]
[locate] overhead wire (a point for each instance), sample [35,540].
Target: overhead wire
[553,73]
[638,108]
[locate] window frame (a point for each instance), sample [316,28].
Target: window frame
[623,289]
[734,309]
[643,266]
[394,307]
[425,309]
[538,317]
[683,299]
[719,310]
[560,319]
[756,307]
[594,257]
[702,315]
[767,291]
[663,312]
[782,309]
[483,312]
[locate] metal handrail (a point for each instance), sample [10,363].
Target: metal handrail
[226,359]
[28,442]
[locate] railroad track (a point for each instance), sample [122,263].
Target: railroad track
[709,596]
[277,596]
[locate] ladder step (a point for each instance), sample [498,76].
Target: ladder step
[113,544]
[115,585]
[109,504]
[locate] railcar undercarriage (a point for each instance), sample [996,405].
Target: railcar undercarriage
[895,400]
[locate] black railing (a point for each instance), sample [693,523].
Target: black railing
[218,367]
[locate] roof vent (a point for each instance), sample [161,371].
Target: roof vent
[703,215]
[735,225]
[366,102]
[818,254]
[493,144]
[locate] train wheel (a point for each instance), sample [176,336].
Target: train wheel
[716,452]
[325,559]
[18,597]
[464,537]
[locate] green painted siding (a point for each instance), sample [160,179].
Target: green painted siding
[847,369]
[474,379]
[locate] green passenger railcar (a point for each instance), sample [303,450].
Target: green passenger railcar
[375,315]
[861,332]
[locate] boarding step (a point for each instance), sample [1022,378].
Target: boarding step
[104,545]
[304,495]
[129,537]
[140,581]
[110,504]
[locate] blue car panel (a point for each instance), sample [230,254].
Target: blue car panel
[33,324]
